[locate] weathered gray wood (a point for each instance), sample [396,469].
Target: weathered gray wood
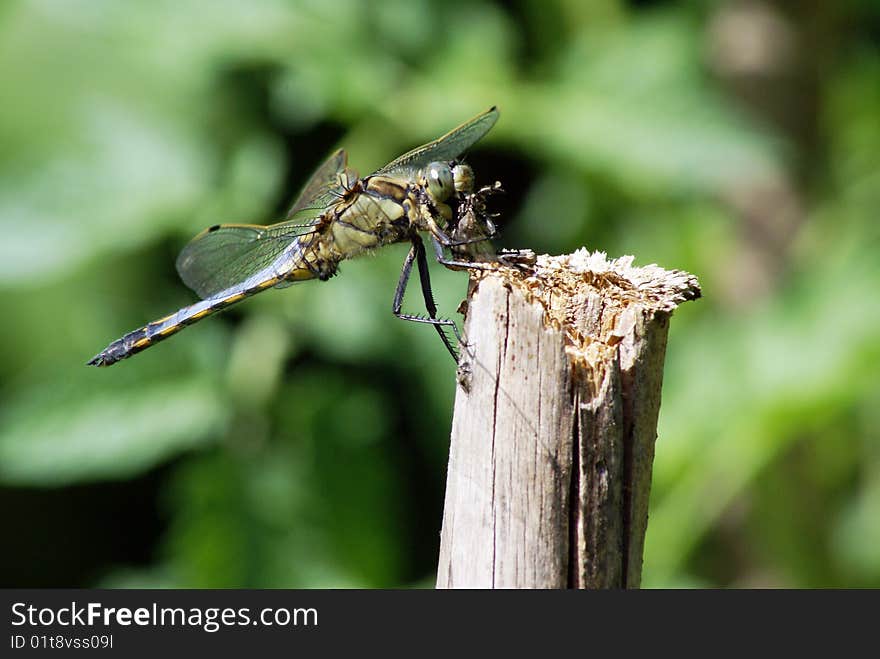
[555,420]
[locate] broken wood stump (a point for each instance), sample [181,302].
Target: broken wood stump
[555,420]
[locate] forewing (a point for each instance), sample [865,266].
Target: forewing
[226,255]
[324,187]
[443,149]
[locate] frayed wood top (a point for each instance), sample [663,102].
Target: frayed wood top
[595,301]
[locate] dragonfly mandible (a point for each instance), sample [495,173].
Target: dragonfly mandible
[337,216]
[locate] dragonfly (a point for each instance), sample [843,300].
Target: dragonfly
[338,216]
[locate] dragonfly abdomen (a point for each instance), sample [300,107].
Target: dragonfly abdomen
[158,330]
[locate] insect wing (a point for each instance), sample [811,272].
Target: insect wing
[227,255]
[443,149]
[324,187]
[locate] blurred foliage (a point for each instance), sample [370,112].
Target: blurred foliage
[300,439]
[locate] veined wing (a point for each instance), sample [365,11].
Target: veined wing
[443,149]
[326,185]
[226,255]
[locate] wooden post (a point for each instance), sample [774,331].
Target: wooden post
[555,421]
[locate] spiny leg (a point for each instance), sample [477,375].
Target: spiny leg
[521,259]
[451,263]
[417,253]
[430,305]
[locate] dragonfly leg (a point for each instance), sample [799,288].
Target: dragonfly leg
[417,253]
[428,295]
[451,263]
[521,259]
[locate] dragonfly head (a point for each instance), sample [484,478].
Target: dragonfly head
[445,179]
[440,181]
[463,177]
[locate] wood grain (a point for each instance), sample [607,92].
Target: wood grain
[554,426]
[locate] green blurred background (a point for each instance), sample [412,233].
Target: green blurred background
[300,439]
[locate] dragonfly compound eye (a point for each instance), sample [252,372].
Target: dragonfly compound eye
[463,176]
[440,181]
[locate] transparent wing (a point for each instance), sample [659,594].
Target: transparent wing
[324,187]
[226,255]
[446,148]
